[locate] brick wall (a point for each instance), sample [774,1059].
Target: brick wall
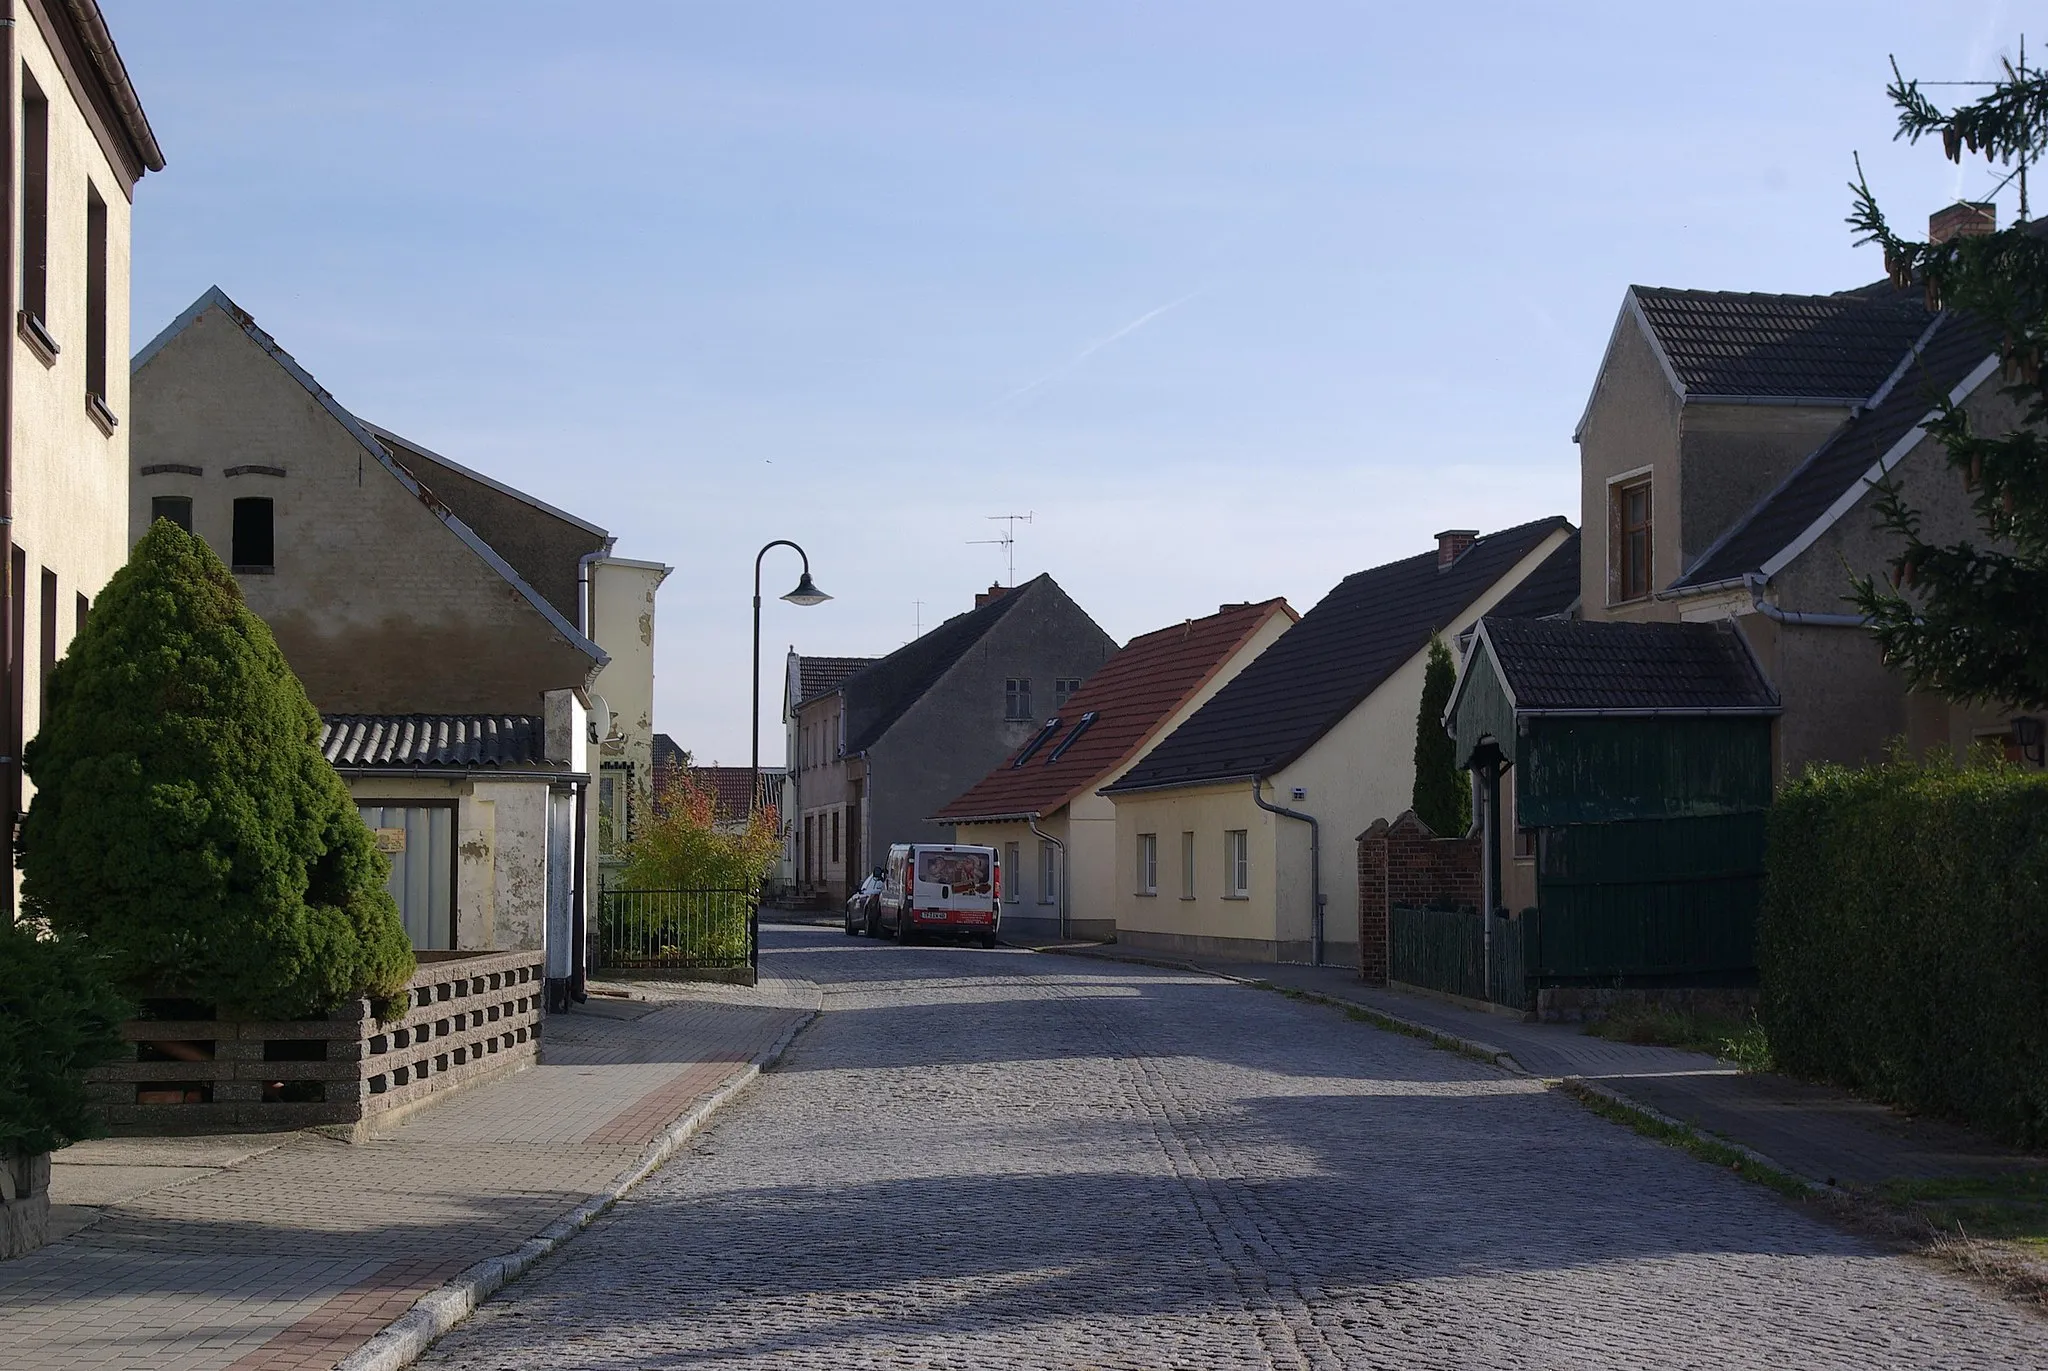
[1405,864]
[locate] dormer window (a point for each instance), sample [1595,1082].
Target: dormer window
[1038,740]
[1080,727]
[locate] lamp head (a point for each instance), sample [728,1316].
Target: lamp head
[807,592]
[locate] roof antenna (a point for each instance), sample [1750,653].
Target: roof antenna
[2019,174]
[919,606]
[1008,542]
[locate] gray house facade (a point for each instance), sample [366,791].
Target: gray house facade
[924,723]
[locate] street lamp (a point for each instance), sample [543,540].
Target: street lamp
[806,593]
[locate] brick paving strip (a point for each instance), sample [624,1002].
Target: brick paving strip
[1817,1134]
[301,1253]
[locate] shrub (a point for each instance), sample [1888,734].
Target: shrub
[1443,794]
[58,1017]
[185,826]
[685,845]
[1904,939]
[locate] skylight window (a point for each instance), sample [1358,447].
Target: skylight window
[1080,727]
[1038,740]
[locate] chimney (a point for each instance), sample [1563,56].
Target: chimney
[1451,545]
[994,592]
[1963,219]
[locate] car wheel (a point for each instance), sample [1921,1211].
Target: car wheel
[905,934]
[851,931]
[987,940]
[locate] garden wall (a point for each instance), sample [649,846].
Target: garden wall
[1404,863]
[470,1018]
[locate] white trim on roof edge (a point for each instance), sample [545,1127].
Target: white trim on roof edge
[1631,308]
[215,297]
[1465,672]
[1849,498]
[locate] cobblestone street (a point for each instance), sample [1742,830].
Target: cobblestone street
[978,1159]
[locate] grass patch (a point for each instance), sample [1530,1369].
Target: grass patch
[1741,1041]
[2011,1207]
[1699,1145]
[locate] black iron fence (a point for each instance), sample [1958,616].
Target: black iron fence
[715,934]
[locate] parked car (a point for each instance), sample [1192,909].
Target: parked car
[861,912]
[940,888]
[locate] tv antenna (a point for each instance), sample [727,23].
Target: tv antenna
[918,605]
[1008,540]
[2018,173]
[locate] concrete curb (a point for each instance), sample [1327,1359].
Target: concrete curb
[403,1341]
[1452,1042]
[1581,1085]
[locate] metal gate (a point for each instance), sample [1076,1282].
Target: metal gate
[701,934]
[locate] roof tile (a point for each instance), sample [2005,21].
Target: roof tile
[435,741]
[1794,346]
[1554,665]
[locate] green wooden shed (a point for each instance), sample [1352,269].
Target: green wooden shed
[1640,755]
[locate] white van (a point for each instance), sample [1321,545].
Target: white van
[941,888]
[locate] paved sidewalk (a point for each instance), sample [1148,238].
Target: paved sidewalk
[291,1251]
[1814,1131]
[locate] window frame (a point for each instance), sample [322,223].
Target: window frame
[1187,864]
[156,512]
[1631,574]
[1147,873]
[1048,873]
[1017,699]
[252,566]
[1013,862]
[1237,863]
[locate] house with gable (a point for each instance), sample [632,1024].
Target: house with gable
[454,693]
[1044,799]
[1727,455]
[1234,835]
[812,758]
[898,739]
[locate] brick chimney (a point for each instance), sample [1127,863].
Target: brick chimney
[1963,219]
[994,592]
[1451,545]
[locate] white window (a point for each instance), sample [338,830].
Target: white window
[1237,862]
[1017,697]
[1148,863]
[1048,874]
[1013,872]
[1187,866]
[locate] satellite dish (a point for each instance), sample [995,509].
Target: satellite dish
[600,719]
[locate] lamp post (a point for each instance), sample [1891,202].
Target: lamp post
[806,593]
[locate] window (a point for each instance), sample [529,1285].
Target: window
[1525,844]
[1080,727]
[176,508]
[810,845]
[1052,726]
[1048,874]
[835,836]
[49,641]
[96,301]
[1629,520]
[1148,863]
[1013,862]
[607,813]
[1017,697]
[35,203]
[1237,863]
[1063,689]
[1187,866]
[255,547]
[84,608]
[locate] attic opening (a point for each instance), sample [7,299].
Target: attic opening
[1038,740]
[1080,727]
[254,547]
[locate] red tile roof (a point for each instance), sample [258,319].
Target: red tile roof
[1131,696]
[727,784]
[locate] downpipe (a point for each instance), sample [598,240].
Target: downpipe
[1059,901]
[1797,617]
[1315,865]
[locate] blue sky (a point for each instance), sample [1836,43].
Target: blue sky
[1235,299]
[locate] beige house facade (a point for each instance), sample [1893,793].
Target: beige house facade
[1042,809]
[1235,835]
[456,694]
[78,142]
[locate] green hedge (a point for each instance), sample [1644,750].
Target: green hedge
[1904,941]
[58,1018]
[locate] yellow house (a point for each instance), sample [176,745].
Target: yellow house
[1041,809]
[1234,836]
[80,142]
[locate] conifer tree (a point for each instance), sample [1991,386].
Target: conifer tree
[1443,798]
[58,1018]
[185,827]
[1962,619]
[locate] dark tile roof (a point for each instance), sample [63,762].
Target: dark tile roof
[877,695]
[728,787]
[1548,591]
[1956,346]
[435,741]
[1130,696]
[1554,665]
[820,675]
[1319,670]
[1813,346]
